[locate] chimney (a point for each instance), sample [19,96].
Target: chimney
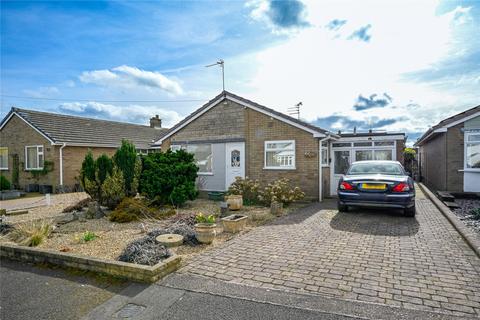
[156,122]
[355,130]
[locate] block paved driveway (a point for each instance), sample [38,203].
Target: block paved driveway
[373,256]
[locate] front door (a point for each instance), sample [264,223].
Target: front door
[341,162]
[235,162]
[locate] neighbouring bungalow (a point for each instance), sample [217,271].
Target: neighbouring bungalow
[40,148]
[449,153]
[232,136]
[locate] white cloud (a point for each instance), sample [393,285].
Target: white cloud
[327,72]
[42,92]
[139,114]
[131,77]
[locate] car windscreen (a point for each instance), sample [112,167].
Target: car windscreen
[375,168]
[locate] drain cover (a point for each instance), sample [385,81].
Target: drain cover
[130,310]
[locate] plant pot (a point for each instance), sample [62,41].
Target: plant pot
[235,202]
[33,187]
[234,223]
[260,215]
[205,232]
[276,208]
[45,188]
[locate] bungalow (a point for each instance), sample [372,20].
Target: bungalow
[449,153]
[54,145]
[232,136]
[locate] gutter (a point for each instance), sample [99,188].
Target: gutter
[61,162]
[320,173]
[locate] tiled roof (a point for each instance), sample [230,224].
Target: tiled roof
[75,130]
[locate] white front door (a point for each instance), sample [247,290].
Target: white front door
[341,162]
[235,162]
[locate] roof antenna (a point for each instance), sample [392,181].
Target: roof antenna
[295,110]
[220,63]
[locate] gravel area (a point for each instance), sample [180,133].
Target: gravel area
[464,213]
[38,208]
[113,237]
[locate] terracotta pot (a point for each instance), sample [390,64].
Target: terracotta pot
[205,232]
[276,208]
[235,202]
[234,223]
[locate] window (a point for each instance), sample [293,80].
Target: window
[375,168]
[203,156]
[363,155]
[342,161]
[341,144]
[175,147]
[383,154]
[280,154]
[362,144]
[34,157]
[325,160]
[384,143]
[3,158]
[472,150]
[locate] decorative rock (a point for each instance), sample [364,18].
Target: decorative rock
[94,211]
[170,240]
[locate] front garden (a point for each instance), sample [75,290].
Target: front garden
[144,209]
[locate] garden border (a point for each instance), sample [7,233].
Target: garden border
[467,234]
[121,269]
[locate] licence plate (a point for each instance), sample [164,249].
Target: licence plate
[372,186]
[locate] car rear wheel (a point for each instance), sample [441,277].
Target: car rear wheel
[410,212]
[342,207]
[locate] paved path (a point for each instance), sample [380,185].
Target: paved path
[30,292]
[370,256]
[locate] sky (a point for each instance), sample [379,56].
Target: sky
[380,65]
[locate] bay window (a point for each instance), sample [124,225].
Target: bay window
[34,157]
[472,150]
[280,154]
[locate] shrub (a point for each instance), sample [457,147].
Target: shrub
[31,233]
[144,251]
[4,183]
[249,190]
[476,213]
[104,167]
[125,159]
[112,189]
[88,170]
[169,177]
[88,236]
[280,191]
[201,218]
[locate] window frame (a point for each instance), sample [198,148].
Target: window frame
[465,145]
[265,150]
[42,153]
[326,149]
[5,168]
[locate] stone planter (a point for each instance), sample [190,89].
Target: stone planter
[235,202]
[9,194]
[276,208]
[234,223]
[205,232]
[260,215]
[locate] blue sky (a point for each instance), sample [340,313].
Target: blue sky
[401,66]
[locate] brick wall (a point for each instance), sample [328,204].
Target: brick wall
[400,146]
[260,128]
[233,121]
[17,134]
[434,163]
[73,158]
[224,121]
[455,158]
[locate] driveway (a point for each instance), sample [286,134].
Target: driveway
[369,255]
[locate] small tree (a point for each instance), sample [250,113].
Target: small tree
[125,159]
[88,168]
[104,167]
[112,189]
[169,177]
